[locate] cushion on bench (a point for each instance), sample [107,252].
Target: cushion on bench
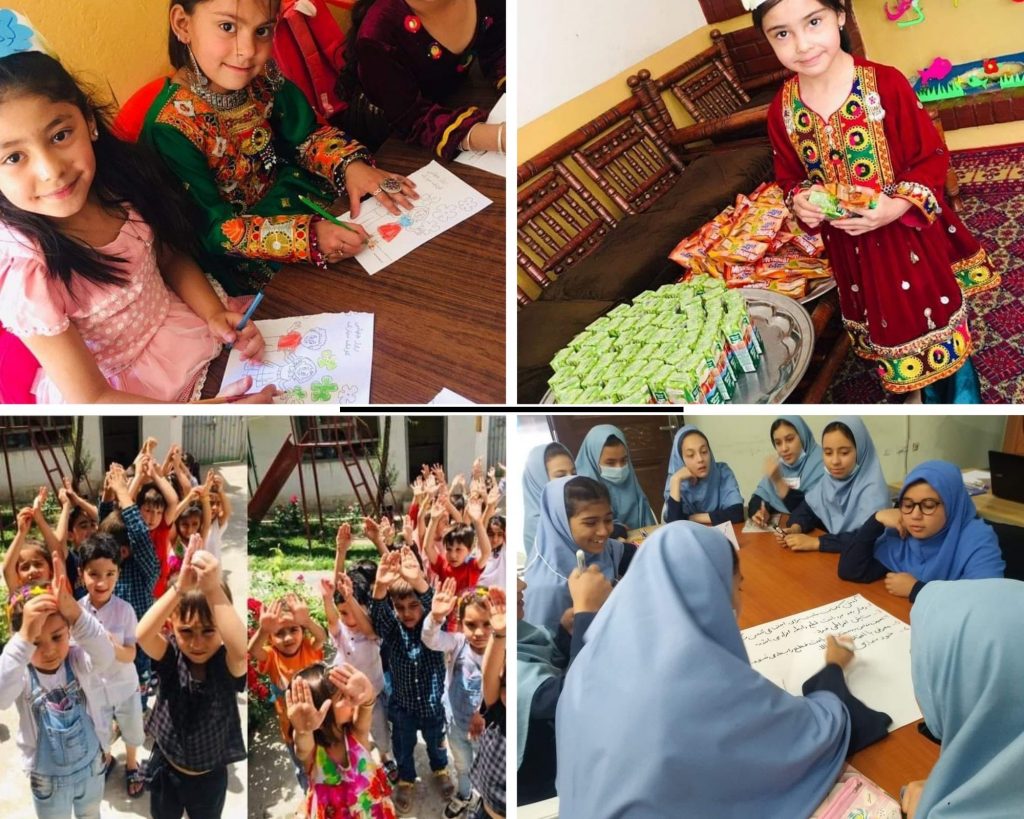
[634,257]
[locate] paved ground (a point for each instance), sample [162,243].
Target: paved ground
[15,796]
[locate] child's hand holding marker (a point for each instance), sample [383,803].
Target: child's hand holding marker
[839,650]
[335,239]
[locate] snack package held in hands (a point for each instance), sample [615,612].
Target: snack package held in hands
[835,199]
[827,203]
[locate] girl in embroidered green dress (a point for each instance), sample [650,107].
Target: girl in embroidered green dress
[245,144]
[330,711]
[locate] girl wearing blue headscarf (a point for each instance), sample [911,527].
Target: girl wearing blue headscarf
[541,662]
[575,516]
[797,464]
[933,534]
[544,463]
[967,665]
[695,701]
[698,488]
[604,456]
[851,490]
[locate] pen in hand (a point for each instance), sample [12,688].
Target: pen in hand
[248,314]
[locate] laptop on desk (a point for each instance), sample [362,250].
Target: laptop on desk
[1007,475]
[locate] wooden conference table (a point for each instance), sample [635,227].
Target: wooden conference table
[778,583]
[439,312]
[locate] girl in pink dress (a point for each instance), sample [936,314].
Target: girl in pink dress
[96,272]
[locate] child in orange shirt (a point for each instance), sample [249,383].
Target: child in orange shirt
[296,642]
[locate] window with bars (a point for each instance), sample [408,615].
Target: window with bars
[362,431]
[27,432]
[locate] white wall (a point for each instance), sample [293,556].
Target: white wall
[901,441]
[463,445]
[743,442]
[27,472]
[567,47]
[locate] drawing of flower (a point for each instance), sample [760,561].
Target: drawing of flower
[348,394]
[321,391]
[14,37]
[327,360]
[296,395]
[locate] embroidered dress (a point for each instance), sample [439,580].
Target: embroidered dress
[245,167]
[360,791]
[145,339]
[902,287]
[406,73]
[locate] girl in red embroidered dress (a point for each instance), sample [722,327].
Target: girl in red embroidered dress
[904,266]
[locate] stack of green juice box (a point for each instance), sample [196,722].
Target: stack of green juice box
[684,343]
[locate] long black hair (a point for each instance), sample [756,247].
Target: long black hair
[838,6]
[348,79]
[125,173]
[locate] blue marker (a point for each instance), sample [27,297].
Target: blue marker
[248,313]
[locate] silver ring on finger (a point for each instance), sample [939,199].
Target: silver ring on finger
[391,185]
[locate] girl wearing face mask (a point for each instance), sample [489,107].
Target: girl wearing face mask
[698,488]
[852,489]
[575,516]
[604,456]
[796,464]
[934,533]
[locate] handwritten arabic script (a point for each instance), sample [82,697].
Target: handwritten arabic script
[790,650]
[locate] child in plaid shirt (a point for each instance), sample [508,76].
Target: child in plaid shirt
[417,672]
[139,566]
[201,668]
[295,642]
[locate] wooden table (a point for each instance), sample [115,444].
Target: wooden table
[778,583]
[439,311]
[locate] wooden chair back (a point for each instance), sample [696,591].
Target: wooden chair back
[561,218]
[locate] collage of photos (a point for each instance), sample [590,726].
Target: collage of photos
[437,296]
[265,617]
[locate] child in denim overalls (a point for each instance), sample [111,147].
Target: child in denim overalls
[42,673]
[465,649]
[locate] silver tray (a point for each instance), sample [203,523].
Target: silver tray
[788,337]
[818,287]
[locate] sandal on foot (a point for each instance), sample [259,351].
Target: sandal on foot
[403,796]
[134,783]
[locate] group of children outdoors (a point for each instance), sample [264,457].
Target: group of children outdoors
[418,648]
[130,250]
[120,602]
[577,512]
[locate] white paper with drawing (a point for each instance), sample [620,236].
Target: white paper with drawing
[445,200]
[321,359]
[490,161]
[789,650]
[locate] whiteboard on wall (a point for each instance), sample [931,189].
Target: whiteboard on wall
[570,46]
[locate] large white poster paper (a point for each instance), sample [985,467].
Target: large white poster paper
[789,650]
[445,200]
[321,359]
[490,161]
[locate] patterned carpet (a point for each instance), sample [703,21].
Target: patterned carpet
[992,187]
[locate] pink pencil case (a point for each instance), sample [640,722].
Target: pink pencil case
[858,798]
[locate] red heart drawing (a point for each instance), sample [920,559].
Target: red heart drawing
[389,230]
[290,341]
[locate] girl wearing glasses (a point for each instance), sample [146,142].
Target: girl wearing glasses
[934,533]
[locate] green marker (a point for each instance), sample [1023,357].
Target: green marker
[330,217]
